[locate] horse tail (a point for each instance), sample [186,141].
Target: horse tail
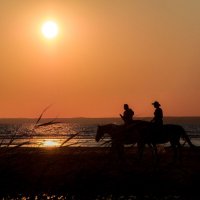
[186,137]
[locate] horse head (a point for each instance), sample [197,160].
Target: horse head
[99,134]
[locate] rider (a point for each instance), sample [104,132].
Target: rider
[157,121]
[127,115]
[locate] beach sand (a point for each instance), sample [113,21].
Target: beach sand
[88,173]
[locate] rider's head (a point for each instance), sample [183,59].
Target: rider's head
[126,106]
[156,104]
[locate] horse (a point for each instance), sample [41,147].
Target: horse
[120,135]
[143,132]
[171,133]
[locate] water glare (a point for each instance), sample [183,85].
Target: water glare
[50,143]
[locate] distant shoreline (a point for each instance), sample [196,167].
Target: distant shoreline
[170,119]
[146,117]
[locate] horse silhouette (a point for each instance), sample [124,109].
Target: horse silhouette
[142,132]
[119,136]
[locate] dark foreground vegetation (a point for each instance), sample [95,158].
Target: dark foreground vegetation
[95,173]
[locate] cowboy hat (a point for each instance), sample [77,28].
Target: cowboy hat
[156,103]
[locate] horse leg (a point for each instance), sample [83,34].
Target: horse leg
[120,151]
[175,147]
[155,156]
[175,153]
[114,148]
[141,146]
[152,149]
[179,151]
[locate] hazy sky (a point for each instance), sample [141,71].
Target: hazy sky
[107,53]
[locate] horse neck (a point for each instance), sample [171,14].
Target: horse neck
[109,129]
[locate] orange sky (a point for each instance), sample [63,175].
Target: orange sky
[107,53]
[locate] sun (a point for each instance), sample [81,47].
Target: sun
[50,29]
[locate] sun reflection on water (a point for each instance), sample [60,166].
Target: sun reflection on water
[50,143]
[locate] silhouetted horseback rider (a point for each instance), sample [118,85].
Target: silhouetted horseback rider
[127,115]
[128,120]
[157,121]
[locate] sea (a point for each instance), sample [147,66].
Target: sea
[73,132]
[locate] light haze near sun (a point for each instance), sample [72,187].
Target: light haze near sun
[101,55]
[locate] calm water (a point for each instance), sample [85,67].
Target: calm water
[73,132]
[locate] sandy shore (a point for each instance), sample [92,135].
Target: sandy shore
[88,172]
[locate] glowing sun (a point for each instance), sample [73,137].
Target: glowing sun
[50,29]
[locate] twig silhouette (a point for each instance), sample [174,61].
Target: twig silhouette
[46,123]
[68,139]
[40,117]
